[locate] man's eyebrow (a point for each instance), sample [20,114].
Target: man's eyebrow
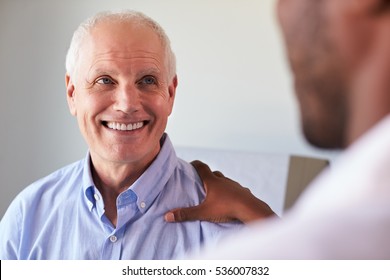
[101,71]
[149,71]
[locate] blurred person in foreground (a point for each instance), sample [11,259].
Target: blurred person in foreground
[339,52]
[121,84]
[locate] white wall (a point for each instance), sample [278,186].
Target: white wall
[234,86]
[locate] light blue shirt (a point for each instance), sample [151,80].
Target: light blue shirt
[62,216]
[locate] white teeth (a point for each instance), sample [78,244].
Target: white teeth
[122,126]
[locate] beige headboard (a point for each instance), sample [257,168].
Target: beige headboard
[302,170]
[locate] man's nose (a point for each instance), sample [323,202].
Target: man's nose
[127,99]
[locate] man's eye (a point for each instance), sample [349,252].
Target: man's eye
[104,81]
[148,80]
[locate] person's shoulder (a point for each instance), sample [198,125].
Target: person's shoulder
[72,169]
[68,172]
[186,170]
[63,176]
[34,202]
[186,183]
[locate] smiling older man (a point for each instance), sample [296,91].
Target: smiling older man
[121,84]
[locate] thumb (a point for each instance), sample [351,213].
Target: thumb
[184,214]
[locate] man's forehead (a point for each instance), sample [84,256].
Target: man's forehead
[123,47]
[134,63]
[122,42]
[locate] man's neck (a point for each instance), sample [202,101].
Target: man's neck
[112,178]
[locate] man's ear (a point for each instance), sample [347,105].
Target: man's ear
[172,91]
[172,87]
[70,94]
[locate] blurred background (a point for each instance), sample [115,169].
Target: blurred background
[234,83]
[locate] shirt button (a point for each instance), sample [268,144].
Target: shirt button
[143,204]
[96,196]
[113,238]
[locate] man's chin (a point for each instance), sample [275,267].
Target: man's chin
[327,141]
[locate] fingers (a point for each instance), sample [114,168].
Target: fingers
[204,170]
[218,174]
[184,214]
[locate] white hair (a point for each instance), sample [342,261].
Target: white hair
[127,16]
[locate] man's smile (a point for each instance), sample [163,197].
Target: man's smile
[124,126]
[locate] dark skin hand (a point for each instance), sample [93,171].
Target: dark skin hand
[226,201]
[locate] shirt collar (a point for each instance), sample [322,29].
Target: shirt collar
[147,187]
[88,184]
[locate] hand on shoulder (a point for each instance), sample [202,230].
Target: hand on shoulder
[226,201]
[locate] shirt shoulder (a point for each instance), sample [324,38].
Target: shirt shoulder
[32,204]
[64,176]
[187,183]
[46,190]
[187,170]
